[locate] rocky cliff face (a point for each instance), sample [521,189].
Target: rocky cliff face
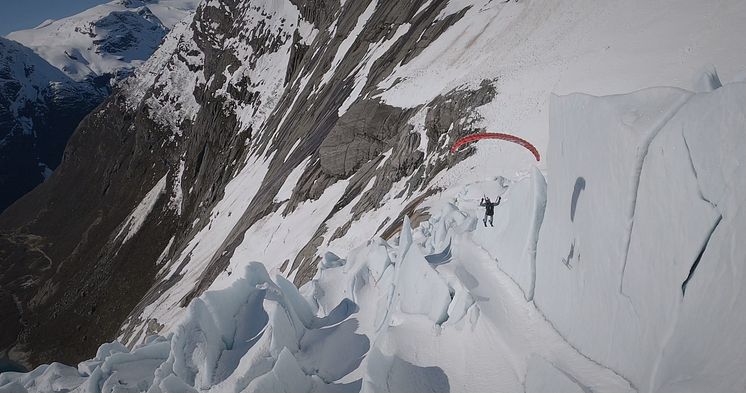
[246,117]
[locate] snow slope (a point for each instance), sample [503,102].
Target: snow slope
[653,261]
[533,49]
[171,12]
[107,39]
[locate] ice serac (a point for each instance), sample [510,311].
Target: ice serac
[671,227]
[603,141]
[517,221]
[650,254]
[707,345]
[427,294]
[253,336]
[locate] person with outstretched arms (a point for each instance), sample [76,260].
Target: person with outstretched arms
[489,209]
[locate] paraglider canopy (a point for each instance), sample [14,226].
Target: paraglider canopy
[496,135]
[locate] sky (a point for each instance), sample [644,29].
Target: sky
[26,14]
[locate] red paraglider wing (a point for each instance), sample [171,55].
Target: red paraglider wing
[496,135]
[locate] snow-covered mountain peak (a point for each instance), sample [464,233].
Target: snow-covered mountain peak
[171,12]
[45,23]
[109,39]
[20,63]
[53,75]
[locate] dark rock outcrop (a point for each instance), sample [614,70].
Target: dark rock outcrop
[60,266]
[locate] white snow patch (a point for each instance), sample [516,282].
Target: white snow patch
[286,191]
[223,218]
[346,44]
[137,218]
[168,73]
[375,51]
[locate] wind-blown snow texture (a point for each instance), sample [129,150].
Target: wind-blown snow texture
[286,130]
[443,307]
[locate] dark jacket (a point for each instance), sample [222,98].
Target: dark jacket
[490,206]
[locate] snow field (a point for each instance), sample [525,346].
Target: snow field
[533,49]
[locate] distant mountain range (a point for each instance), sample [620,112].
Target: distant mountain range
[55,74]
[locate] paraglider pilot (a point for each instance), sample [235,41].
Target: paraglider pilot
[489,209]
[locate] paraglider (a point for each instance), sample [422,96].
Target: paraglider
[496,135]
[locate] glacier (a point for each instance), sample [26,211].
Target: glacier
[617,269]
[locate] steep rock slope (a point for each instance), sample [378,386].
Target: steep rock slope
[277,130]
